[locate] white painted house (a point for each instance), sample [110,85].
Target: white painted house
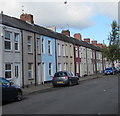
[10,54]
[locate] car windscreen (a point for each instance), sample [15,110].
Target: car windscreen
[108,68]
[60,74]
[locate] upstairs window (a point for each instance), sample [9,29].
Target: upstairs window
[49,47]
[38,45]
[16,41]
[29,44]
[42,45]
[76,52]
[63,50]
[59,50]
[7,42]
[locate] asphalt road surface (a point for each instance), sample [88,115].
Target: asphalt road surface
[95,96]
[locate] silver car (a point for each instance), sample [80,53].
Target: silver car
[64,78]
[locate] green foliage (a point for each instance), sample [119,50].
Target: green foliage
[112,52]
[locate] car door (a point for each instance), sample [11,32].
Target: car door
[8,92]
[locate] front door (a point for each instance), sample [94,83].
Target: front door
[43,73]
[17,75]
[39,76]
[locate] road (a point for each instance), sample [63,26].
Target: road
[95,96]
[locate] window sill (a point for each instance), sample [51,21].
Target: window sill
[8,51]
[17,51]
[31,79]
[30,53]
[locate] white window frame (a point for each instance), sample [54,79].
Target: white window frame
[63,49]
[17,41]
[30,71]
[50,69]
[71,50]
[59,50]
[29,39]
[77,67]
[64,65]
[8,70]
[76,52]
[43,45]
[17,70]
[80,53]
[59,67]
[8,40]
[38,45]
[49,47]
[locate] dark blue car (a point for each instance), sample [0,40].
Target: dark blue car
[10,91]
[110,70]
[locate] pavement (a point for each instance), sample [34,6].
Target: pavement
[46,86]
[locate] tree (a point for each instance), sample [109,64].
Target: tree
[112,52]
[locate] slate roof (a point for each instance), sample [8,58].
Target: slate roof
[17,23]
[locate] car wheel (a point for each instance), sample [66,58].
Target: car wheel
[70,83]
[77,82]
[19,96]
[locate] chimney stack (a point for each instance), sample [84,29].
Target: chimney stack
[66,32]
[94,42]
[78,36]
[27,17]
[87,40]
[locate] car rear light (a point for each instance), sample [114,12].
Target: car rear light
[66,77]
[53,78]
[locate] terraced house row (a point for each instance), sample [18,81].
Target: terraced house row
[31,54]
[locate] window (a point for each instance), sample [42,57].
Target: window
[63,50]
[16,41]
[50,69]
[49,47]
[38,45]
[70,66]
[29,44]
[71,54]
[30,70]
[16,70]
[64,66]
[59,50]
[77,67]
[42,46]
[76,52]
[8,70]
[7,42]
[80,52]
[59,66]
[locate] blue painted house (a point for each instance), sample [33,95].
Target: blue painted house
[48,58]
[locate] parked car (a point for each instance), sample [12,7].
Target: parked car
[10,91]
[64,78]
[110,70]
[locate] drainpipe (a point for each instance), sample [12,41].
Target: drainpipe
[22,59]
[87,61]
[35,59]
[56,54]
[95,63]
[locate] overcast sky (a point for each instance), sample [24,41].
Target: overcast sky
[91,18]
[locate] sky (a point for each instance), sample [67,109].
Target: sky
[91,18]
